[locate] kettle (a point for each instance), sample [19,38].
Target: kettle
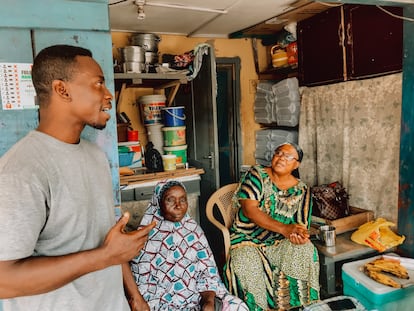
[279,56]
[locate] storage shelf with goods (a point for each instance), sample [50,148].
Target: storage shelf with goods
[130,87]
[278,74]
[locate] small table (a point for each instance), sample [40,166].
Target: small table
[332,258]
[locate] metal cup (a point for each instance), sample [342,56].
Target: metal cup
[327,234]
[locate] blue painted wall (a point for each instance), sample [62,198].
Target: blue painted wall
[28,26]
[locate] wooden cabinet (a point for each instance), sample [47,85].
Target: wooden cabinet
[349,42]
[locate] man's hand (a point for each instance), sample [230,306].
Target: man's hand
[121,246]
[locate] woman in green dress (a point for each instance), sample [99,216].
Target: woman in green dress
[272,263]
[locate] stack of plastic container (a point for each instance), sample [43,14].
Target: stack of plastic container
[287,102]
[263,104]
[278,103]
[174,133]
[268,139]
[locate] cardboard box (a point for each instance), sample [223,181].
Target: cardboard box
[374,295]
[358,217]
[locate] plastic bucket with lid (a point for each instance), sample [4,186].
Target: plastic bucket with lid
[151,106]
[174,136]
[169,162]
[179,151]
[173,116]
[155,136]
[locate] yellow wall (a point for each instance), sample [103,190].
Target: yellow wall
[241,48]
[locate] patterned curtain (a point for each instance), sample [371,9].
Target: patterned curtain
[350,132]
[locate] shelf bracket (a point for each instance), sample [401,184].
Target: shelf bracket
[173,84]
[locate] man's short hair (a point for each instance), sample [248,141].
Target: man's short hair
[54,63]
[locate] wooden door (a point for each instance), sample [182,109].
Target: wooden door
[320,48]
[202,136]
[373,40]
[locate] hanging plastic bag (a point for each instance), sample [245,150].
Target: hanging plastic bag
[377,235]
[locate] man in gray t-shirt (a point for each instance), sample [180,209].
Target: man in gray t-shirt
[60,248]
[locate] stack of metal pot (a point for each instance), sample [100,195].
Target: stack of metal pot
[141,54]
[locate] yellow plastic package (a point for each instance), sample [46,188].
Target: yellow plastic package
[377,235]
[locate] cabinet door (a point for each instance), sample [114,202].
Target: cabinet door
[374,40]
[320,48]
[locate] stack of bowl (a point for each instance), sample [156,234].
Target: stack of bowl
[148,42]
[141,53]
[133,59]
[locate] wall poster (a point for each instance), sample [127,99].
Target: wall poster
[16,87]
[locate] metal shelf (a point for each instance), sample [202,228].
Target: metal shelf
[151,80]
[157,80]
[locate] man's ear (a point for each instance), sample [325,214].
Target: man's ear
[60,89]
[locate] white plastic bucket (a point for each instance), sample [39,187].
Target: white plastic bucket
[151,106]
[155,135]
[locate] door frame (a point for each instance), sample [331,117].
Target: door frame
[234,64]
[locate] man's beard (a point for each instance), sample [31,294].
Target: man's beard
[98,126]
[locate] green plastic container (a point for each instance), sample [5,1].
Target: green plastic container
[179,151]
[174,136]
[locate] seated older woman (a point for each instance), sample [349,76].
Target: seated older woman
[176,268]
[272,264]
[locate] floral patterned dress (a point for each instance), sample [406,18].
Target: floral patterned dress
[264,268]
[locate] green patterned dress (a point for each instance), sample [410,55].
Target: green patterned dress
[264,268]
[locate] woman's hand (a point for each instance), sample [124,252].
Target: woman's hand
[208,306]
[297,234]
[207,300]
[138,303]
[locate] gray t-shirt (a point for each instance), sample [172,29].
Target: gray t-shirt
[55,199]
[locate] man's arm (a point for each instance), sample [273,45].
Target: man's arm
[36,275]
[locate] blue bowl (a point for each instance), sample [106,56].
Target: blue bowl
[125,158]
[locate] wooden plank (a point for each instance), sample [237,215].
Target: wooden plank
[120,98]
[358,217]
[142,178]
[172,94]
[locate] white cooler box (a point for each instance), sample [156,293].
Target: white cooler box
[374,295]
